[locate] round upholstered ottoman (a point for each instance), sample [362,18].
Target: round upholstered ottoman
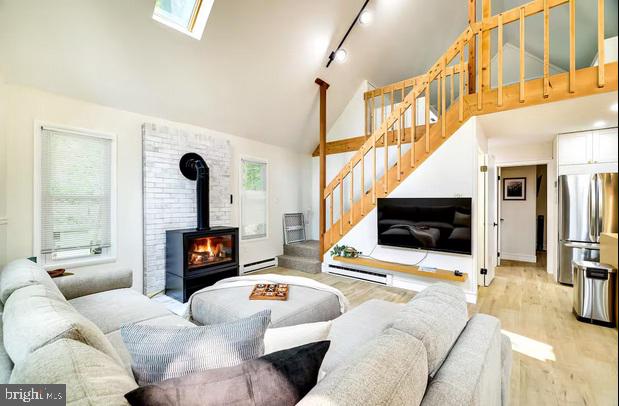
[227,302]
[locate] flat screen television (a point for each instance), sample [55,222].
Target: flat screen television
[434,224]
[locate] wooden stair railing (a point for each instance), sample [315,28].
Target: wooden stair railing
[427,137]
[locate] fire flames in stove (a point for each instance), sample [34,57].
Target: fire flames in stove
[209,250]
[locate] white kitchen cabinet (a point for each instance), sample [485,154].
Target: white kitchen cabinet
[605,146]
[575,148]
[590,147]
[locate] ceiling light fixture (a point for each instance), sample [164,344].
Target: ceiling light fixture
[599,124]
[334,55]
[341,55]
[614,107]
[365,18]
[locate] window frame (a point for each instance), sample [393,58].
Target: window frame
[109,255]
[197,22]
[266,186]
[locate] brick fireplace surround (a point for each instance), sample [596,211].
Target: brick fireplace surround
[170,199]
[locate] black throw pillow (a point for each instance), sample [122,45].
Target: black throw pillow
[281,378]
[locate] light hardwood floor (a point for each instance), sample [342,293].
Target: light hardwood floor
[557,360]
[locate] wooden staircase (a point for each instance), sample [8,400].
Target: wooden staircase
[455,106]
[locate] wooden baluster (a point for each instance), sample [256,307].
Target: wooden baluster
[500,62]
[367,116]
[392,100]
[386,159]
[427,102]
[572,82]
[374,171]
[522,46]
[400,125]
[362,181]
[413,126]
[451,88]
[443,104]
[382,106]
[331,218]
[372,118]
[402,104]
[341,205]
[352,190]
[461,86]
[480,72]
[601,53]
[546,49]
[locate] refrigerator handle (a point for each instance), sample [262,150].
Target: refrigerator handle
[592,208]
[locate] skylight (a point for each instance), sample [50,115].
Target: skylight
[186,16]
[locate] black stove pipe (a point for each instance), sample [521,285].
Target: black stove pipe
[202,196]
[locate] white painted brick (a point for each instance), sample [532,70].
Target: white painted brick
[169,198]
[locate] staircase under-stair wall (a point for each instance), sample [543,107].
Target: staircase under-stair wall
[301,256]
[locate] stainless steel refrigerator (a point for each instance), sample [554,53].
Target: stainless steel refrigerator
[587,207]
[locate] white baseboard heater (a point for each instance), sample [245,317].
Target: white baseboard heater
[358,274]
[259,265]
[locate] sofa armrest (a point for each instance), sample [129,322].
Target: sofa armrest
[88,281]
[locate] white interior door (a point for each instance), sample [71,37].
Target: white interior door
[492,203]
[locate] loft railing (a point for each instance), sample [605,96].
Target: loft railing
[391,123]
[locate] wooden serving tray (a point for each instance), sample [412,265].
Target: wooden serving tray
[269,291]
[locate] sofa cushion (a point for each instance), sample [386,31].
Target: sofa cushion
[89,281]
[35,316]
[92,378]
[436,316]
[471,375]
[6,365]
[21,273]
[110,310]
[389,370]
[280,378]
[115,338]
[164,352]
[355,328]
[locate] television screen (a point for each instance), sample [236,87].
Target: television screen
[436,224]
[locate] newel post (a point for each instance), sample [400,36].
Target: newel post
[323,160]
[472,48]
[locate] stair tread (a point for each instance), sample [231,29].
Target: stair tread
[301,259]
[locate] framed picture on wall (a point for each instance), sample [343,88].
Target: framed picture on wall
[515,189]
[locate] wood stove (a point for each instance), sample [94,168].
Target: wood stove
[199,257]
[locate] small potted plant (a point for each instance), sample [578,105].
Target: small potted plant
[344,251]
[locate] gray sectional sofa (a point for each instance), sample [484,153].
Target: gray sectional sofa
[427,352]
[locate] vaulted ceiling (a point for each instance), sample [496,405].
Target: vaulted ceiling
[253,72]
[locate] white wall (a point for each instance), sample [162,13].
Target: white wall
[522,153]
[518,225]
[533,66]
[434,178]
[25,105]
[3,220]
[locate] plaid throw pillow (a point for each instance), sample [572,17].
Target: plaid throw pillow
[164,352]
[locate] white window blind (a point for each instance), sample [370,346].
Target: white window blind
[253,199]
[76,193]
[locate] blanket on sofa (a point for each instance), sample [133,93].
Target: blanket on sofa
[251,280]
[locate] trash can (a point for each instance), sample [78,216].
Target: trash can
[594,292]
